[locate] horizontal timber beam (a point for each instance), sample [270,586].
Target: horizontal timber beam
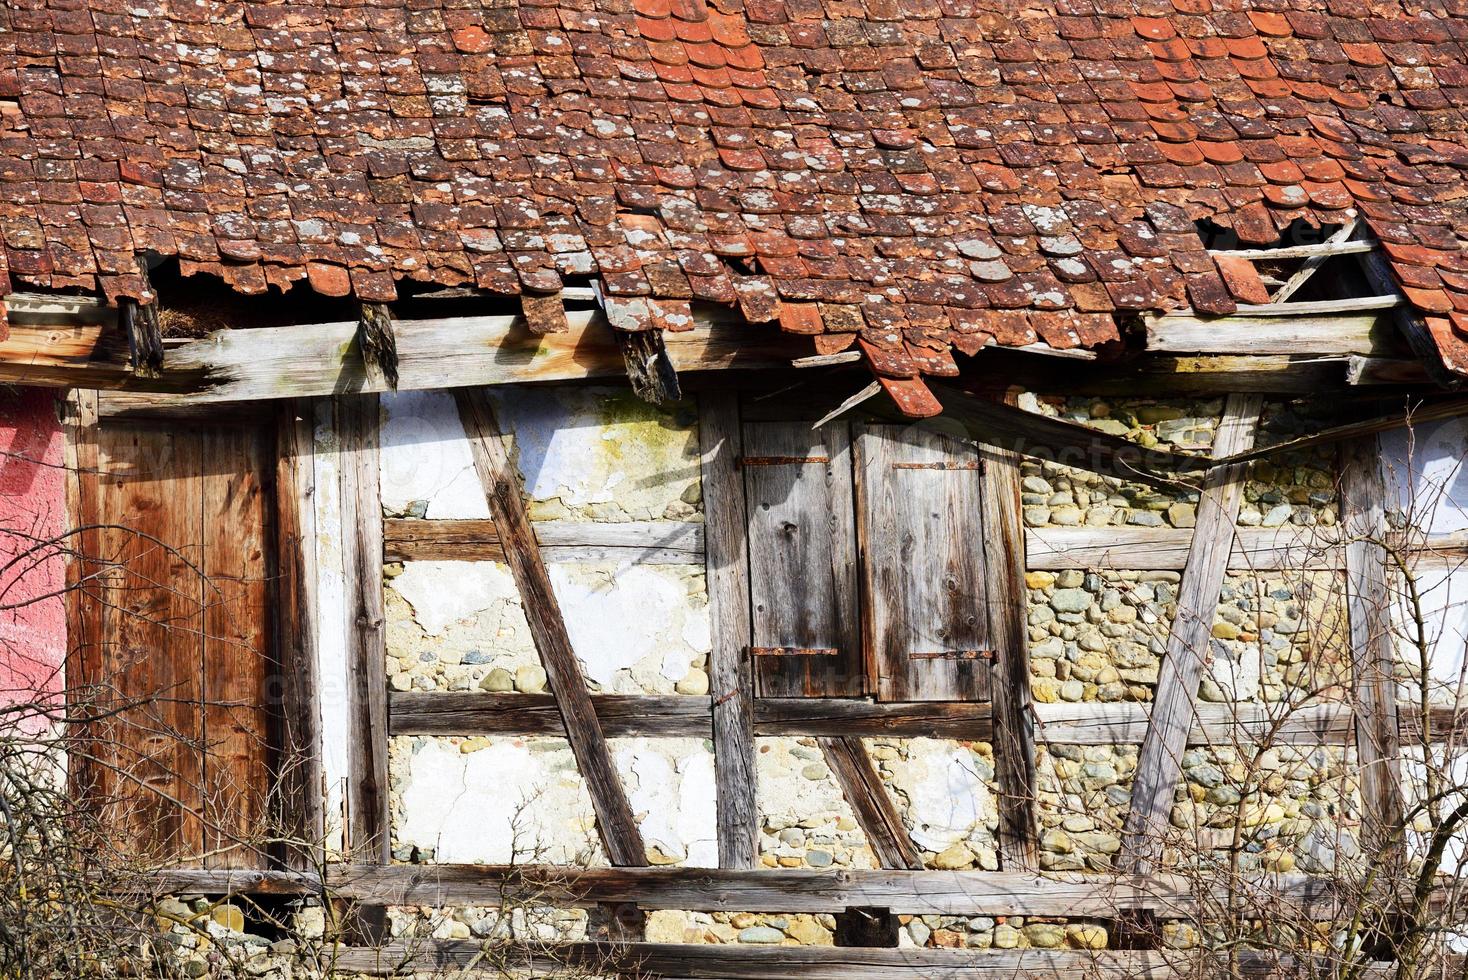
[1166,549]
[915,892]
[1046,549]
[685,716]
[744,962]
[1340,335]
[653,542]
[321,359]
[457,713]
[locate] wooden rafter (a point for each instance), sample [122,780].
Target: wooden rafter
[620,835]
[1312,265]
[1159,762]
[141,326]
[1328,248]
[870,801]
[731,675]
[377,340]
[649,369]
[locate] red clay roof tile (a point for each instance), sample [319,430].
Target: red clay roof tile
[948,158]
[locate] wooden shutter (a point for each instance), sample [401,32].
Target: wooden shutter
[181,636]
[924,591]
[802,559]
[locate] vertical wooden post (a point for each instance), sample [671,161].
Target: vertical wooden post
[357,424]
[1014,731]
[501,482]
[730,672]
[1368,604]
[298,714]
[84,609]
[1159,764]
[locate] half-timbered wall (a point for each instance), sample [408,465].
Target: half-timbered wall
[613,487]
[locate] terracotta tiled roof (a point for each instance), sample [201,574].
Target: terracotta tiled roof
[912,175]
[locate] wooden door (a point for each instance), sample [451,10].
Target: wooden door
[175,637]
[802,559]
[924,567]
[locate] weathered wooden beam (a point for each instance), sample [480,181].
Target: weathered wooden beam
[1273,333]
[1159,762]
[501,482]
[86,628]
[1410,323]
[367,827]
[654,716]
[930,892]
[377,342]
[1368,611]
[1331,247]
[744,962]
[870,801]
[357,420]
[678,543]
[649,369]
[731,673]
[1014,735]
[463,713]
[141,326]
[1167,549]
[1312,264]
[1385,371]
[320,359]
[299,777]
[1221,725]
[648,542]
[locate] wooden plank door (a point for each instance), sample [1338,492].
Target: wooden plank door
[925,595]
[179,641]
[802,559]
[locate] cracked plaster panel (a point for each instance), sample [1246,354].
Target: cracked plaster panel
[497,800]
[586,454]
[460,626]
[1427,489]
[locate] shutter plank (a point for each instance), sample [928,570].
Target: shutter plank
[151,509]
[802,557]
[237,656]
[923,537]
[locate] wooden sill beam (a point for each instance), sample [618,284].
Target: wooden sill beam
[744,962]
[920,892]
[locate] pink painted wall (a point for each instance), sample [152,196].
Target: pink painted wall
[32,566]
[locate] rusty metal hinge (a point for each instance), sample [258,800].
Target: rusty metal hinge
[780,460]
[952,655]
[937,466]
[794,651]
